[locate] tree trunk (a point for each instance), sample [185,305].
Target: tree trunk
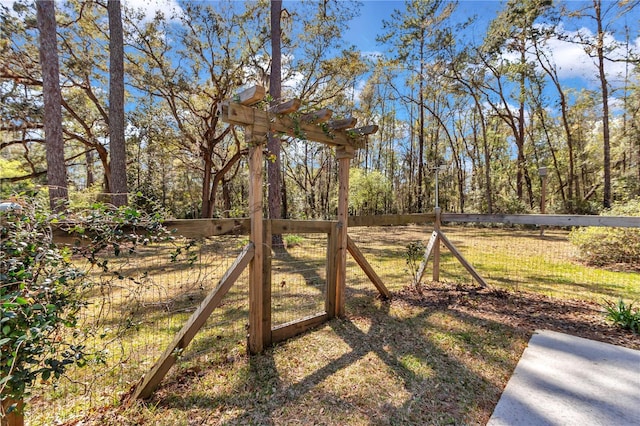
[89,161]
[606,146]
[273,144]
[285,201]
[207,207]
[118,181]
[520,135]
[56,169]
[420,183]
[226,198]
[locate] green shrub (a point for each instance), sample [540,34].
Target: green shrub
[292,240]
[623,315]
[413,257]
[607,247]
[41,284]
[38,296]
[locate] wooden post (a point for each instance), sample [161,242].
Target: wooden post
[344,154]
[366,268]
[256,295]
[332,260]
[427,252]
[16,417]
[436,247]
[462,260]
[266,281]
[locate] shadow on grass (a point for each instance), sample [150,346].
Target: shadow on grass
[414,376]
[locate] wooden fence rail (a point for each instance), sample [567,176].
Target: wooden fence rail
[544,220]
[204,228]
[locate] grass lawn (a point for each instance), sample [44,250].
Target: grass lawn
[441,356]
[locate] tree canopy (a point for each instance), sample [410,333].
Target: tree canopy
[488,103]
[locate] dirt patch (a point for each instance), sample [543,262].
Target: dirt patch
[525,312]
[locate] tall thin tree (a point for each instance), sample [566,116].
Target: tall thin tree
[56,169]
[117,150]
[604,85]
[274,167]
[411,35]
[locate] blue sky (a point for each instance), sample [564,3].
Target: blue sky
[575,68]
[368,25]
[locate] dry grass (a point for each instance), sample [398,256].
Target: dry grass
[441,357]
[386,363]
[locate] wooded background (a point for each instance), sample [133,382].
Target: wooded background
[489,111]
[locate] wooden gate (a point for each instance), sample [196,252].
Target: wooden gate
[257,123]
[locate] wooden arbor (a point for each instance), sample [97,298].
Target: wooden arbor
[258,124]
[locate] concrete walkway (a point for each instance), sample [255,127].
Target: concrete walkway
[567,380]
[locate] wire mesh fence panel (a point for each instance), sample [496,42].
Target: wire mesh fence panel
[522,259]
[299,278]
[385,248]
[140,300]
[134,309]
[513,258]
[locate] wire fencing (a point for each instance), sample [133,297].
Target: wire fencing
[145,297]
[516,258]
[299,278]
[134,309]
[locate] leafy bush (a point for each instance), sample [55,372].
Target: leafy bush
[369,191]
[413,257]
[292,240]
[38,296]
[41,284]
[601,246]
[623,315]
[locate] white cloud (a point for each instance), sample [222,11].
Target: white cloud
[573,61]
[357,90]
[170,8]
[616,105]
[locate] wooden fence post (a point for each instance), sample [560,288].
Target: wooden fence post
[344,154]
[332,261]
[256,295]
[436,247]
[266,283]
[16,417]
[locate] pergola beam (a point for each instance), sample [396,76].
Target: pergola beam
[264,122]
[286,107]
[316,117]
[250,96]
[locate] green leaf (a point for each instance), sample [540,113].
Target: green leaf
[21,301]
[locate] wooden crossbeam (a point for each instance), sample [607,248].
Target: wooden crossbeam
[366,130]
[315,117]
[293,328]
[250,96]
[427,252]
[286,107]
[345,123]
[263,122]
[462,260]
[152,379]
